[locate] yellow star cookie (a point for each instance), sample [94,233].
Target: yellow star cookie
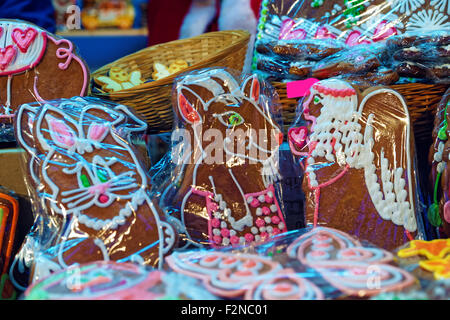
[434,249]
[439,267]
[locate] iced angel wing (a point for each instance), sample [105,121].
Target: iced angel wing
[387,156]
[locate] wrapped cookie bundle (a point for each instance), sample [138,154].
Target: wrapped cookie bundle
[359,177]
[439,210]
[293,59]
[308,264]
[338,39]
[91,193]
[108,280]
[223,189]
[35,65]
[421,56]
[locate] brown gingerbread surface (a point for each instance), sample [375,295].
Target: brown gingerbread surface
[359,163]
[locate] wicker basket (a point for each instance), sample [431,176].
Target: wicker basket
[152,100]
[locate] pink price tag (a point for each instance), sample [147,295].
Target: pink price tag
[296,89]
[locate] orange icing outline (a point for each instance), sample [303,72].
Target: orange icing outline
[427,249]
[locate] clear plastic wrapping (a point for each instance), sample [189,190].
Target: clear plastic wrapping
[423,56]
[357,150]
[305,264]
[390,42]
[108,280]
[92,197]
[222,175]
[35,65]
[439,209]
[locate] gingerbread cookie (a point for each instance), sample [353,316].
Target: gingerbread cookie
[347,169]
[351,61]
[439,211]
[274,67]
[346,264]
[119,79]
[108,280]
[315,50]
[91,185]
[227,197]
[9,214]
[301,69]
[381,76]
[36,65]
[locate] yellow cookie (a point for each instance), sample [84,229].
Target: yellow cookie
[160,71]
[177,66]
[119,75]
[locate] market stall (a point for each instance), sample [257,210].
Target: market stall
[287,150]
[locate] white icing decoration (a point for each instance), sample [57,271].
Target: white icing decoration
[269,171]
[441,5]
[428,20]
[406,6]
[391,200]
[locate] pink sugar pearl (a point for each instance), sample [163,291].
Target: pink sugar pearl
[217,239]
[215,223]
[255,203]
[225,233]
[249,237]
[234,240]
[269,199]
[260,222]
[276,220]
[276,231]
[264,235]
[266,211]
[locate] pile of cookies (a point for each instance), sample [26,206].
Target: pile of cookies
[126,76]
[410,58]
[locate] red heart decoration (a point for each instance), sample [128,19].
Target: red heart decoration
[1,31]
[354,38]
[323,33]
[298,136]
[383,31]
[287,31]
[6,56]
[24,39]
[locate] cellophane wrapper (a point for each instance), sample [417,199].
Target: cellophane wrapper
[220,183]
[358,154]
[90,190]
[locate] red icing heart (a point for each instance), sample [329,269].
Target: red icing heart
[383,31]
[6,56]
[354,38]
[287,31]
[24,39]
[298,136]
[323,33]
